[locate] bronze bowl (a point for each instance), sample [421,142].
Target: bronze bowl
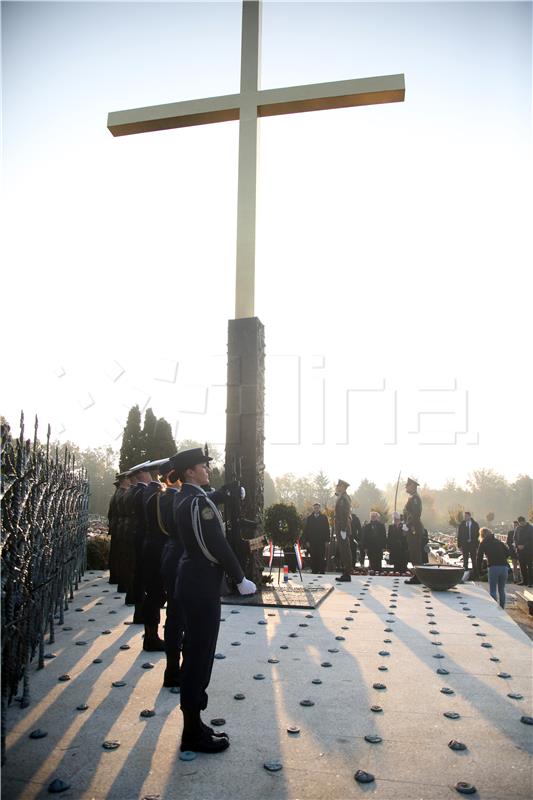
[439,577]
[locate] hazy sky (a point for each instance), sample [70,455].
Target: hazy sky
[393,250]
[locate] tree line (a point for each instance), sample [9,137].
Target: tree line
[488,495]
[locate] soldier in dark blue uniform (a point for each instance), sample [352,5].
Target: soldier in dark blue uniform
[141,479]
[170,557]
[206,557]
[152,543]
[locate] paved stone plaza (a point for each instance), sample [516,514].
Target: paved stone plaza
[391,635]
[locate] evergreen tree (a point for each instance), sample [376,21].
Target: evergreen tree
[148,435]
[369,498]
[131,451]
[162,443]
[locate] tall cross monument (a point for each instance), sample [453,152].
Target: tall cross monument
[245,398]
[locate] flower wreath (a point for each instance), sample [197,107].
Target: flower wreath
[282,525]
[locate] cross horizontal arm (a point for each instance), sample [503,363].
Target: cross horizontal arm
[336,94]
[174,115]
[269,102]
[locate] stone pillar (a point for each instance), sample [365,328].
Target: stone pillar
[245,412]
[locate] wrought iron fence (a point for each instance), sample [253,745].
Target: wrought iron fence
[44,500]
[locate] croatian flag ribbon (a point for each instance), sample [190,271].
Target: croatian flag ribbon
[298,554]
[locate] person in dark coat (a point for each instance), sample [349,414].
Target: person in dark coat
[397,544]
[524,547]
[207,555]
[374,540]
[512,550]
[413,527]
[355,540]
[315,536]
[468,540]
[496,553]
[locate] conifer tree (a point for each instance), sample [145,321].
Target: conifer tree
[148,434]
[162,443]
[131,451]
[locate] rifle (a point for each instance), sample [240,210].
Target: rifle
[236,524]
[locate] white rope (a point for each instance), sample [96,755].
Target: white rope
[197,525]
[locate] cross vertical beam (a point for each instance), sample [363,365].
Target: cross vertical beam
[248,160]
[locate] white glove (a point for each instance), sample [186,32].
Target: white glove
[343,535]
[246,587]
[243,493]
[405,528]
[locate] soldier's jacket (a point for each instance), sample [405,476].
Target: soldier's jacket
[412,514]
[343,515]
[112,513]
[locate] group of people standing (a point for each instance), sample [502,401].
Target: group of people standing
[406,539]
[168,545]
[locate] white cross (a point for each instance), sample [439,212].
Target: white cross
[247,106]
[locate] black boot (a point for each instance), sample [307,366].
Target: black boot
[172,671]
[152,643]
[413,580]
[346,578]
[196,738]
[138,614]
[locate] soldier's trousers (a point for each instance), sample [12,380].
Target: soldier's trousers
[174,619]
[198,592]
[154,591]
[414,544]
[345,555]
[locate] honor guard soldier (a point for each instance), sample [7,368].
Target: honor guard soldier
[152,544]
[120,483]
[343,529]
[140,477]
[120,558]
[170,557]
[413,527]
[207,556]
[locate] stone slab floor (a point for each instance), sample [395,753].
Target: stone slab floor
[391,634]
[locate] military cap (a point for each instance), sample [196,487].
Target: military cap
[343,483]
[188,458]
[412,482]
[157,465]
[121,475]
[138,468]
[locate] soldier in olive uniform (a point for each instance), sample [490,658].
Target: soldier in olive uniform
[343,529]
[413,527]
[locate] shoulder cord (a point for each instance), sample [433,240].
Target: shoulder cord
[159,519]
[197,526]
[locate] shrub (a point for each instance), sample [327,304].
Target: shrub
[98,552]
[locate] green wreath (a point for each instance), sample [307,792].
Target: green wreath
[282,525]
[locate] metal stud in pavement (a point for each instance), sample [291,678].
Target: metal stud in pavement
[453,744]
[38,733]
[57,785]
[364,777]
[465,788]
[273,766]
